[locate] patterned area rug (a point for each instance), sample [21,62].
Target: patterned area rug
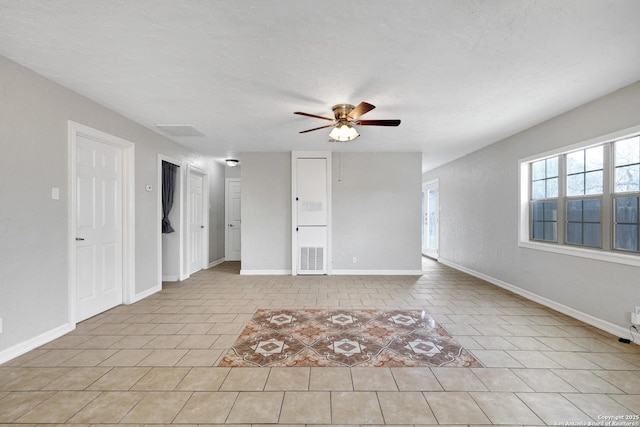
[372,338]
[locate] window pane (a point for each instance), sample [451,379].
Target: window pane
[627,237]
[574,211]
[627,151]
[574,233]
[591,210]
[538,211]
[575,162]
[591,235]
[628,178]
[552,187]
[538,190]
[593,182]
[538,230]
[575,185]
[538,170]
[594,158]
[552,167]
[627,210]
[550,211]
[550,231]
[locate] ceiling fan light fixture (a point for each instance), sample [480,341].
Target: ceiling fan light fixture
[344,132]
[232,162]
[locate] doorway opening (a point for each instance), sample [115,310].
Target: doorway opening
[233,233]
[430,219]
[170,200]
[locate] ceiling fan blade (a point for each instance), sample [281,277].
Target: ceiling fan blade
[313,115]
[378,122]
[321,127]
[362,108]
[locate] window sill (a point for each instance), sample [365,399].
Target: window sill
[615,257]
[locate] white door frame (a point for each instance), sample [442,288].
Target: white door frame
[434,183]
[128,211]
[226,215]
[179,227]
[294,211]
[205,219]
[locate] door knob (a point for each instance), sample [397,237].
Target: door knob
[202,226]
[79,238]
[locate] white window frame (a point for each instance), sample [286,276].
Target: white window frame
[524,185]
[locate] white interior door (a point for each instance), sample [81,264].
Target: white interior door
[430,214]
[99,232]
[234,225]
[196,221]
[312,213]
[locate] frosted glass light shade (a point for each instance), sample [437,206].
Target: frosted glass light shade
[343,133]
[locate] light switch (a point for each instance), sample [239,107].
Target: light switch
[55,193]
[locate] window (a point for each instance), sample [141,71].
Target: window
[585,177]
[627,193]
[585,197]
[627,223]
[544,204]
[583,222]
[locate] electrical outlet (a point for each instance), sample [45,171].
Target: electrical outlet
[355,259]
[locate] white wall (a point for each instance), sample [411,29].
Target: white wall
[34,115]
[479,218]
[375,208]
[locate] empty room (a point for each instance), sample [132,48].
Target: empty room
[320,213]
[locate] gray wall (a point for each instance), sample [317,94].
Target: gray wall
[266,212]
[216,172]
[34,115]
[375,210]
[479,216]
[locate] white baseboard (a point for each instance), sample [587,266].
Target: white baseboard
[376,272]
[35,342]
[142,295]
[216,262]
[571,312]
[265,272]
[170,278]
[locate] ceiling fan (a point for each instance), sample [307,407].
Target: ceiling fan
[346,116]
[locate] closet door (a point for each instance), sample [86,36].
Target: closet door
[311,216]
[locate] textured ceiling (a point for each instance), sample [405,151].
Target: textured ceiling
[460,74]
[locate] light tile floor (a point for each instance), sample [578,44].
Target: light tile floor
[154,362]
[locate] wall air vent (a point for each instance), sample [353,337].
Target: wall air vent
[311,259]
[179,130]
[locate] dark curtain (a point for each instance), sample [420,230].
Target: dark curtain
[168,189]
